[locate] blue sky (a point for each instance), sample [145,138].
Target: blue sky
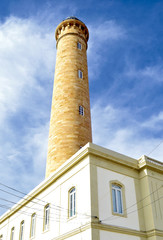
[125,60]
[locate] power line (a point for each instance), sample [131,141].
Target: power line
[55,206]
[155,148]
[58,215]
[121,180]
[115,217]
[34,209]
[55,219]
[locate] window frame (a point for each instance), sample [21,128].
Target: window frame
[80,74]
[46,226]
[123,200]
[81,110]
[33,226]
[79,45]
[72,199]
[21,235]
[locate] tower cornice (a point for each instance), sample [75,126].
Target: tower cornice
[72,26]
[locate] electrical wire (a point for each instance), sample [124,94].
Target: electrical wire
[55,219]
[58,216]
[121,180]
[2,190]
[113,217]
[155,148]
[55,206]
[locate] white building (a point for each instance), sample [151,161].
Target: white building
[78,200]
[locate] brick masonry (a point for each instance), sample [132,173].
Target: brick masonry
[68,129]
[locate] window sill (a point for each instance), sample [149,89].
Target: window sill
[32,237]
[119,214]
[45,231]
[71,218]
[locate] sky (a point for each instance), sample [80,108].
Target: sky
[125,65]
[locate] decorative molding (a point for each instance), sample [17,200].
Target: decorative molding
[72,24]
[110,228]
[153,164]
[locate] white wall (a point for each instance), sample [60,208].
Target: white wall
[104,199]
[56,195]
[104,235]
[82,236]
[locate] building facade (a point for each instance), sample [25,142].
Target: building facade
[97,194]
[89,193]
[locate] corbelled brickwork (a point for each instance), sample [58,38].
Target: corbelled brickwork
[69,130]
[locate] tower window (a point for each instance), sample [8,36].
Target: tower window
[80,74]
[81,110]
[12,234]
[72,202]
[79,46]
[117,199]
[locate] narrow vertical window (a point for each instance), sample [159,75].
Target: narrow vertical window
[80,74]
[33,225]
[79,46]
[1,237]
[21,230]
[81,110]
[12,233]
[46,217]
[117,199]
[72,202]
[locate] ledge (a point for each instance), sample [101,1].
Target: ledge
[151,163]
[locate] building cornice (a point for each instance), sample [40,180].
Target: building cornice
[150,163]
[112,156]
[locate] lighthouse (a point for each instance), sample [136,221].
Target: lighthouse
[70,124]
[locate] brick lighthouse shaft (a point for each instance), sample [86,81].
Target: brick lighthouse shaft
[70,124]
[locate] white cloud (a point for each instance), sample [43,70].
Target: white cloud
[116,129]
[148,73]
[153,72]
[154,122]
[102,35]
[26,56]
[108,30]
[27,60]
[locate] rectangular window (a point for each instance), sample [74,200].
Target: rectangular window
[72,202]
[81,110]
[79,46]
[117,199]
[1,237]
[21,230]
[46,217]
[33,225]
[12,234]
[80,74]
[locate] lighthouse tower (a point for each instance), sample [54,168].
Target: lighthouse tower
[70,124]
